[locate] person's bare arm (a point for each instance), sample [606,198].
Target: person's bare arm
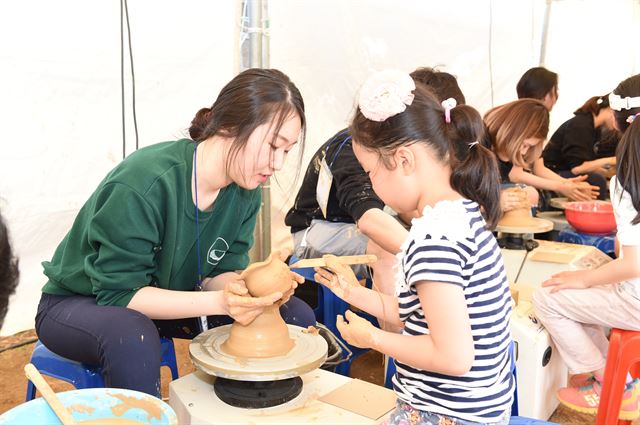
[577,190]
[622,268]
[541,170]
[163,304]
[340,280]
[383,229]
[448,348]
[600,165]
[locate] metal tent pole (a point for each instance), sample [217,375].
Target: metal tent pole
[256,55]
[545,32]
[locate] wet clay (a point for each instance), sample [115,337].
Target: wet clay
[268,334]
[152,409]
[521,216]
[311,330]
[81,408]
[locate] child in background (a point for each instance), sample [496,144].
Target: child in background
[453,363]
[576,306]
[515,133]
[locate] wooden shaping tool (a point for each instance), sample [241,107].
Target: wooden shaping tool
[49,396]
[346,259]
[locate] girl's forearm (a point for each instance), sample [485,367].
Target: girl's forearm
[541,170]
[591,166]
[383,307]
[616,271]
[535,181]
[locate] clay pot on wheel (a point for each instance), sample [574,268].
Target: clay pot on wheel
[519,220]
[267,335]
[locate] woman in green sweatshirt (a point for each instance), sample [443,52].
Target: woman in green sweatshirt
[160,240]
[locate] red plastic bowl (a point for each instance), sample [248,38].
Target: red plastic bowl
[592,217]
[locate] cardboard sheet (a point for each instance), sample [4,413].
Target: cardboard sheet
[363,398]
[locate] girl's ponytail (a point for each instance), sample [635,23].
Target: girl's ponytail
[474,170]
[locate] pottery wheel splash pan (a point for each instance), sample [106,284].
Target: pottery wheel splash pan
[530,225]
[308,353]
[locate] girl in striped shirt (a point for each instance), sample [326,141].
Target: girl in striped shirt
[452,297]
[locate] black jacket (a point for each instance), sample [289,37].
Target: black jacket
[571,144]
[351,193]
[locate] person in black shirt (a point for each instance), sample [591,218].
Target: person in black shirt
[539,83]
[571,149]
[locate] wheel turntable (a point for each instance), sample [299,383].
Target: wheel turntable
[257,382]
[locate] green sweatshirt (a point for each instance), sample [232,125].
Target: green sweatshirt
[139,229]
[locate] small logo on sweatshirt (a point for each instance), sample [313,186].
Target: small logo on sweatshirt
[217,251]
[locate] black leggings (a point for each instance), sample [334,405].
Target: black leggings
[124,342]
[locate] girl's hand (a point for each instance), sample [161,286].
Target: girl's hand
[567,280]
[356,330]
[242,307]
[339,278]
[577,189]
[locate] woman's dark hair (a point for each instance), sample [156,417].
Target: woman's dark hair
[254,97]
[628,165]
[536,83]
[8,271]
[628,88]
[443,84]
[593,105]
[474,171]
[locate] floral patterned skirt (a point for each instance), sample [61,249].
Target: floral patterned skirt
[407,415]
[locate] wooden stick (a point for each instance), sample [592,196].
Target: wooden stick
[47,393]
[346,259]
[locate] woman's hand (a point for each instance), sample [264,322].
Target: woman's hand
[356,330]
[567,280]
[339,278]
[511,199]
[577,189]
[218,283]
[296,279]
[242,307]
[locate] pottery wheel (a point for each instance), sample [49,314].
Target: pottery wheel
[308,353]
[535,225]
[558,202]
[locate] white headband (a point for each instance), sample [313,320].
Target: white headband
[619,103]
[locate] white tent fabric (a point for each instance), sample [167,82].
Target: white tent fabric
[60,83]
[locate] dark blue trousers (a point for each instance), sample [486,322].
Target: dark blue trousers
[124,342]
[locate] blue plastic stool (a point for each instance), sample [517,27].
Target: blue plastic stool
[328,308]
[605,243]
[82,375]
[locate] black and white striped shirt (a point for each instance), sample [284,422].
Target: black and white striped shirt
[450,243]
